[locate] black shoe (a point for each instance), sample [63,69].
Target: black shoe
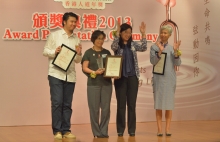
[99,137]
[168,134]
[132,135]
[120,134]
[105,136]
[159,134]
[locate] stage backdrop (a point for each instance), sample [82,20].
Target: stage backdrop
[26,24]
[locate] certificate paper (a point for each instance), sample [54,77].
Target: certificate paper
[160,66]
[113,66]
[64,58]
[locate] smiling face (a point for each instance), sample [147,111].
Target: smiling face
[126,34]
[99,41]
[70,24]
[164,35]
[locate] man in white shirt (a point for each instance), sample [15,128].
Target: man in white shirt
[62,83]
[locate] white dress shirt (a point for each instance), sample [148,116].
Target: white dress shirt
[55,40]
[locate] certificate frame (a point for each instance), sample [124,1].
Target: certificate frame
[113,66]
[64,58]
[159,68]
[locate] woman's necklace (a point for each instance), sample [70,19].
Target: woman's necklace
[97,50]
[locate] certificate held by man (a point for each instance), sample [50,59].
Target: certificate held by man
[64,58]
[160,66]
[113,66]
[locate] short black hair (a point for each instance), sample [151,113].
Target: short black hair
[96,34]
[67,15]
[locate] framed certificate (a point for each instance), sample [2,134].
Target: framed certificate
[113,66]
[64,58]
[160,66]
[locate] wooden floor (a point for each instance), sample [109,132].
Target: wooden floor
[185,131]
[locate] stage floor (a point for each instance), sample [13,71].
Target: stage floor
[184,131]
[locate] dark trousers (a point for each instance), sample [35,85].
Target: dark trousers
[61,102]
[126,92]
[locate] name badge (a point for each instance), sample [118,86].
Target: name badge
[104,55]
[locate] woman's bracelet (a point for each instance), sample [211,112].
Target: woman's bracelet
[178,52]
[93,74]
[115,33]
[143,35]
